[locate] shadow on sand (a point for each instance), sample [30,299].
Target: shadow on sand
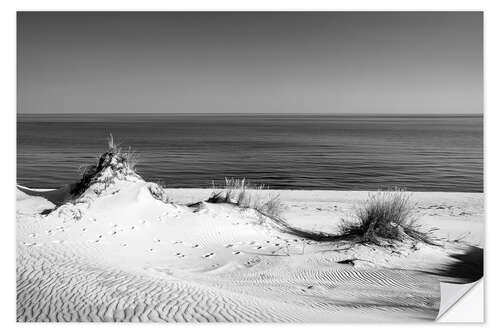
[57,197]
[467,268]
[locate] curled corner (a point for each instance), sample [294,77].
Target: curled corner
[459,277]
[451,293]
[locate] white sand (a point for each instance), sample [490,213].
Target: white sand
[125,256]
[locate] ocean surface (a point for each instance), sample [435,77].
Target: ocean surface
[421,153]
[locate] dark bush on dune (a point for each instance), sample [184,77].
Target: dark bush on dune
[119,162]
[386,216]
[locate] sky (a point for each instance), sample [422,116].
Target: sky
[250,62]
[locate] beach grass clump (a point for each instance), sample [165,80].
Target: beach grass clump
[128,157]
[114,163]
[386,216]
[235,191]
[241,193]
[271,207]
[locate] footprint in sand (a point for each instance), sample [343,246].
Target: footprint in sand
[208,255]
[252,261]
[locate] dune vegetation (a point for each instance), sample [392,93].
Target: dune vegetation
[387,216]
[241,193]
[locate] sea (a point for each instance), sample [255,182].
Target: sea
[281,151]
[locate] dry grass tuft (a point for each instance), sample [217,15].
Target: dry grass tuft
[239,192]
[127,157]
[272,206]
[387,216]
[119,162]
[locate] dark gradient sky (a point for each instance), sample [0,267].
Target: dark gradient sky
[327,62]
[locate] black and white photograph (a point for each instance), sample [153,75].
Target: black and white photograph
[247,166]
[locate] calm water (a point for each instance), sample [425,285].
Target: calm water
[282,151]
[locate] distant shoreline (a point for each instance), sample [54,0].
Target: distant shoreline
[286,190]
[26,117]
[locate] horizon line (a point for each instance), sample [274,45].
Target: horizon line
[247,113]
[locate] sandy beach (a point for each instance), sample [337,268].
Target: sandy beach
[124,252]
[248,166]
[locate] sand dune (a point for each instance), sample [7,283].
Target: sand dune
[122,254]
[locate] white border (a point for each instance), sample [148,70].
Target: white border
[8,132]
